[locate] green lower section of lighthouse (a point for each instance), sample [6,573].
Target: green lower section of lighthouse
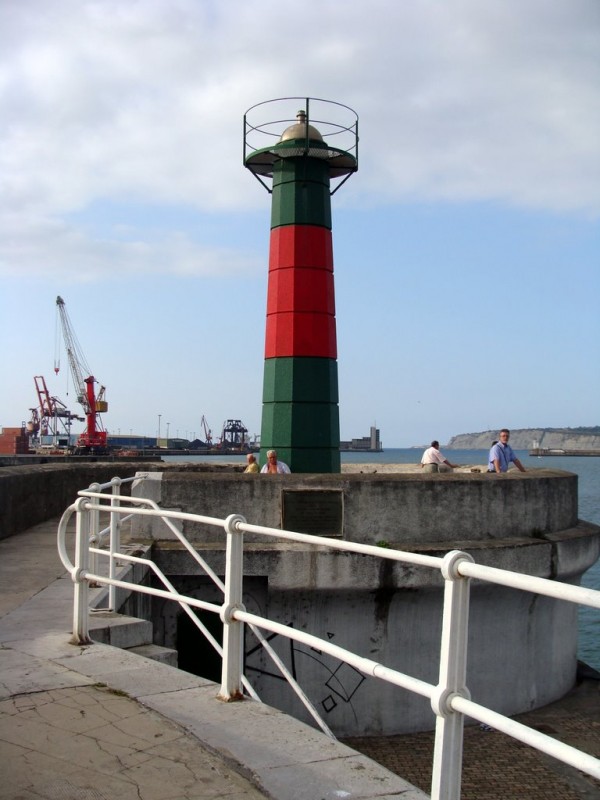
[300,413]
[304,380]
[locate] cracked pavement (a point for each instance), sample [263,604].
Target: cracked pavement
[91,743]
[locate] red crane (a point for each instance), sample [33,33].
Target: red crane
[47,406]
[207,431]
[94,437]
[50,410]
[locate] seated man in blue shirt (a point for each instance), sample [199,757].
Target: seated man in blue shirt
[502,454]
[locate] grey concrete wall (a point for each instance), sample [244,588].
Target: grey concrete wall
[394,507]
[522,650]
[32,494]
[522,647]
[296,567]
[513,640]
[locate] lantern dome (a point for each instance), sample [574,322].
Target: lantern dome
[300,130]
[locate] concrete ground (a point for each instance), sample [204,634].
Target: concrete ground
[100,723]
[97,722]
[496,766]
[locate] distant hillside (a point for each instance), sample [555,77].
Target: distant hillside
[526,438]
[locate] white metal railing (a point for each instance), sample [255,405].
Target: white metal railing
[450,698]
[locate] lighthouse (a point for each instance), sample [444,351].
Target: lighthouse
[300,415]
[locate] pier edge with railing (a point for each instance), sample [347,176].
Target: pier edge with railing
[450,698]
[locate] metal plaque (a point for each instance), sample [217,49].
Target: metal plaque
[316,511]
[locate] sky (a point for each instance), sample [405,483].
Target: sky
[466,247]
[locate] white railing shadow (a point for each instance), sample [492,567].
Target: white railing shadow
[450,698]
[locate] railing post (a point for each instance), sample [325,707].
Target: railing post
[81,566]
[94,529]
[115,542]
[448,750]
[233,631]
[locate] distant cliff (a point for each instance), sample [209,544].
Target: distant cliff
[526,438]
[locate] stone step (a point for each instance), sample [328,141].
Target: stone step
[155,652]
[118,630]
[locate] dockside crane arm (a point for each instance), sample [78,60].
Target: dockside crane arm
[207,431]
[94,437]
[77,361]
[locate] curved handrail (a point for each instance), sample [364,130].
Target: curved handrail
[450,698]
[60,536]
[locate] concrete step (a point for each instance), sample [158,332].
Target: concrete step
[129,633]
[155,652]
[118,630]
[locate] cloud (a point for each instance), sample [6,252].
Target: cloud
[457,101]
[492,100]
[46,246]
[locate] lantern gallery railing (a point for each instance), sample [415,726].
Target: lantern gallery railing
[450,698]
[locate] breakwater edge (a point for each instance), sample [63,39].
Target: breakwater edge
[587,470]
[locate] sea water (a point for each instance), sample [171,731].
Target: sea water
[587,468]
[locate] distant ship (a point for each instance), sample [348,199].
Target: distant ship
[368,444]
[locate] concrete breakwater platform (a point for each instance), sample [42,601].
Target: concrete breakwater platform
[65,733]
[388,611]
[35,621]
[524,522]
[98,722]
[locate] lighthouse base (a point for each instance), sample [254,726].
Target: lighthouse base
[522,647]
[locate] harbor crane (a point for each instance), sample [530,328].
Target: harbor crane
[207,431]
[234,436]
[47,415]
[94,437]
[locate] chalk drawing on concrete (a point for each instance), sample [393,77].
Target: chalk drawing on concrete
[342,681]
[345,681]
[328,703]
[259,648]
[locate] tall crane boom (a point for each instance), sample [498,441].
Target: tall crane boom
[94,437]
[207,431]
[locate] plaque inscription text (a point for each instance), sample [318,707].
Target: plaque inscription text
[316,511]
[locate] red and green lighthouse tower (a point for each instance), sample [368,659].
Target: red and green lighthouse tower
[300,417]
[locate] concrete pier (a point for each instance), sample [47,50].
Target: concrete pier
[99,721]
[47,697]
[389,612]
[34,625]
[526,522]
